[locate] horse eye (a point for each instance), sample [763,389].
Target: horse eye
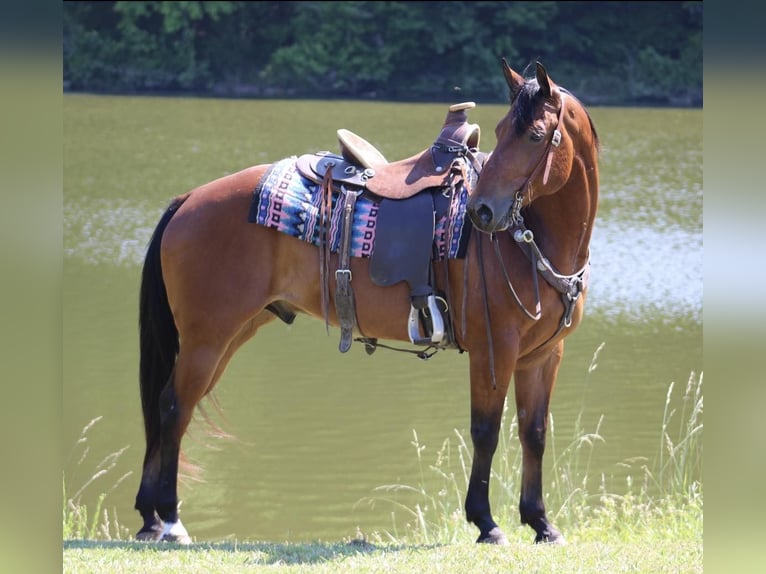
[536,136]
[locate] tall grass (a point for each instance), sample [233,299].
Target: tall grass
[97,522]
[661,498]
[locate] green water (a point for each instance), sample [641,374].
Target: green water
[317,431]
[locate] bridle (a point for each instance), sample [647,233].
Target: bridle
[569,286]
[546,159]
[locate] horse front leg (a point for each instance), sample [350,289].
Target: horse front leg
[534,387]
[486,415]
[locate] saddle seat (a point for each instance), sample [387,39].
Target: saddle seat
[359,151]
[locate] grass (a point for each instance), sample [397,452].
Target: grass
[654,525]
[669,556]
[98,523]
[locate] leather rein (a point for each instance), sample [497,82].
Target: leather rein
[570,286]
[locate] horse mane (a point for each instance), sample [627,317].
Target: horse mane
[526,100]
[596,139]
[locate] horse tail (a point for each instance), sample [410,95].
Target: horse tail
[158,336]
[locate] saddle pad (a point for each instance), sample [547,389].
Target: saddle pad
[288,202]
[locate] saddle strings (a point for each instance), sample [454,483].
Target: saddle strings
[324,244]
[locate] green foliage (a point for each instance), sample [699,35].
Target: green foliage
[605,52]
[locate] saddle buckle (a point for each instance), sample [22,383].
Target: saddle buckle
[345,273]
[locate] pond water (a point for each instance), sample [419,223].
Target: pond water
[316,431]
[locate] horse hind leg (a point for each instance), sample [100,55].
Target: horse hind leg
[534,387]
[198,369]
[152,526]
[191,379]
[246,333]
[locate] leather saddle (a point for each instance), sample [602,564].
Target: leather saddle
[361,164]
[412,195]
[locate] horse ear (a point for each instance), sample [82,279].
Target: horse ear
[515,81]
[543,80]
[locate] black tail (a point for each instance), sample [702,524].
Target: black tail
[157,332]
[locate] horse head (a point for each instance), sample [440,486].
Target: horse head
[545,132]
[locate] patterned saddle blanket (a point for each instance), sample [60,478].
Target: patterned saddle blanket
[290,203]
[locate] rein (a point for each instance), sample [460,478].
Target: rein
[570,286]
[521,234]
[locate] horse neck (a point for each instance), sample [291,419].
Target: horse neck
[563,221]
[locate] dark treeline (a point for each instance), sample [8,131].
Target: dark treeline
[605,52]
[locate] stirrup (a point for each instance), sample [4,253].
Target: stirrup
[436,322]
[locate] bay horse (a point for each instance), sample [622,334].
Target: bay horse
[211,279]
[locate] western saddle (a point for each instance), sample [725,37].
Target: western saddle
[412,194]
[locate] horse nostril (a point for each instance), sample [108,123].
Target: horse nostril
[484,214]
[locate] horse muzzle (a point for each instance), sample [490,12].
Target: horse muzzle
[489,216]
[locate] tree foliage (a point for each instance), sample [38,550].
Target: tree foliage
[606,52]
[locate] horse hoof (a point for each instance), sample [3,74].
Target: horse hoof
[183,539]
[176,533]
[494,536]
[554,537]
[150,534]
